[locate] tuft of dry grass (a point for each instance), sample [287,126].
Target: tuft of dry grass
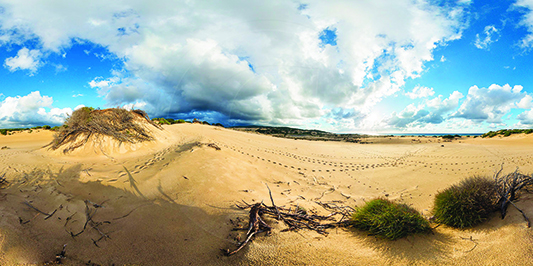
[466,204]
[118,123]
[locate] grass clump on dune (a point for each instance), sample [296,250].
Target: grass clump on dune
[388,219]
[466,204]
[121,124]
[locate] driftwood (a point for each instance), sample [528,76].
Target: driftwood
[508,186]
[295,218]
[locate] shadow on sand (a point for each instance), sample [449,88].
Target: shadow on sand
[104,225]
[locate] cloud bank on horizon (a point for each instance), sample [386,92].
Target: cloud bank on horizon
[342,66]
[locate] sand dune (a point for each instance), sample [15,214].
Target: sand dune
[170,202]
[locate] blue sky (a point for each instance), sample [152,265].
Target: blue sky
[376,66]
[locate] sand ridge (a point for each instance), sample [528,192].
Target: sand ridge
[171,203]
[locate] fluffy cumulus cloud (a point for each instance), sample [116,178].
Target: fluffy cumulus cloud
[490,104]
[481,106]
[24,60]
[261,61]
[526,118]
[490,34]
[30,110]
[433,111]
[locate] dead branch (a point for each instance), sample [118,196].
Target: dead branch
[295,218]
[508,187]
[256,226]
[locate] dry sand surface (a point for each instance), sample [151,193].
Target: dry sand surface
[170,202]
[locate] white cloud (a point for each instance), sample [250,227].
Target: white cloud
[526,118]
[420,92]
[265,63]
[490,104]
[527,21]
[60,68]
[433,111]
[526,102]
[491,34]
[29,110]
[24,60]
[443,59]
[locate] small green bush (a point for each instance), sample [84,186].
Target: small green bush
[388,219]
[46,127]
[466,204]
[180,121]
[162,121]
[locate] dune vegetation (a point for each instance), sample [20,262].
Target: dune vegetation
[389,219]
[121,124]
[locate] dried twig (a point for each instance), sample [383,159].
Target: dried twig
[508,186]
[48,215]
[296,219]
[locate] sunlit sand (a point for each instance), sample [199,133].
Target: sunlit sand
[170,201]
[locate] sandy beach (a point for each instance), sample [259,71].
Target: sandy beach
[172,201]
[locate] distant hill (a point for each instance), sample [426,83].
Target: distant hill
[296,133]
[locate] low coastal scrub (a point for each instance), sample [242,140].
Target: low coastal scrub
[506,132]
[467,203]
[6,131]
[170,121]
[389,220]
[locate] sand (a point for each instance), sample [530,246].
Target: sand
[170,202]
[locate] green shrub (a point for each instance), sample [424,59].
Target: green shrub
[180,121]
[162,121]
[466,204]
[3,131]
[388,219]
[46,127]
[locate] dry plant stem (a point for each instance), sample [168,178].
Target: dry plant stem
[295,219]
[48,215]
[89,214]
[508,186]
[256,225]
